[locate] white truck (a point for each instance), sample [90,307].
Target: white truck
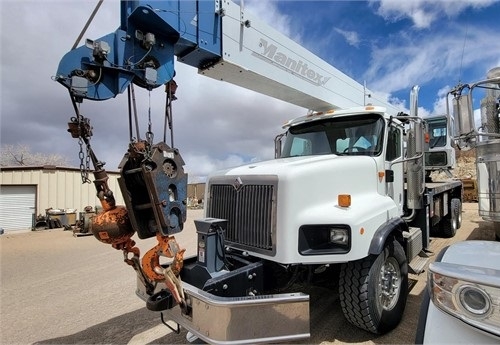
[344,202]
[462,301]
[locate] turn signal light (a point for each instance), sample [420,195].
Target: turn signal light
[344,200]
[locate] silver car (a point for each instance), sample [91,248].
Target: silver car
[462,300]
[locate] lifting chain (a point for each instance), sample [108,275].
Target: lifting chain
[170,89]
[149,134]
[80,128]
[144,148]
[84,168]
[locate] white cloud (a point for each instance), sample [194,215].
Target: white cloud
[439,106]
[418,61]
[423,13]
[351,37]
[268,12]
[199,166]
[422,112]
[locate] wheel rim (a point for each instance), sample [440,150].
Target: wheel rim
[389,284]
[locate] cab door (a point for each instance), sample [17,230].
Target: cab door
[394,166]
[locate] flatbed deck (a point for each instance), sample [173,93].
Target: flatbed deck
[442,186]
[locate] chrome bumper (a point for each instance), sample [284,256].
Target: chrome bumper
[241,320]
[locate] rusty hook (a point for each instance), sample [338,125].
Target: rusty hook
[168,247]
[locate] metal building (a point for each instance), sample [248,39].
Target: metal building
[26,192]
[195,193]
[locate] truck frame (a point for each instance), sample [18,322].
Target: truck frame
[345,203]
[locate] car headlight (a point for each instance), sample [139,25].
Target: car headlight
[474,299]
[471,294]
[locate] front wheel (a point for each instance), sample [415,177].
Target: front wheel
[373,290]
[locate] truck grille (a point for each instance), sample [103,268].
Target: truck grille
[249,206]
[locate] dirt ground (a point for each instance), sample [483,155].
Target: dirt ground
[59,289]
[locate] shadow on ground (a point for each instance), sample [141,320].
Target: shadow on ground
[484,231]
[118,330]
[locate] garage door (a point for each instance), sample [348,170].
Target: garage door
[17,206]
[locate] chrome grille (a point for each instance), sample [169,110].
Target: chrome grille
[249,207]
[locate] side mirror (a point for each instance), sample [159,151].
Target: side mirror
[277,145]
[389,176]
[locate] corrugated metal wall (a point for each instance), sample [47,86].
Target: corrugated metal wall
[196,190]
[59,188]
[62,188]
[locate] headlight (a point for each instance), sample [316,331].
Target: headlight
[324,239]
[475,300]
[471,294]
[339,236]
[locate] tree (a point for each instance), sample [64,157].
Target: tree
[21,155]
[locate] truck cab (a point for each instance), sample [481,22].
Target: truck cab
[441,153]
[325,156]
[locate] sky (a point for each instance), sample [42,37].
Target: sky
[389,45]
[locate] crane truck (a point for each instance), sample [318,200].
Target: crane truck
[344,202]
[463,286]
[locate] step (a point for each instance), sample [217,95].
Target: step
[418,264]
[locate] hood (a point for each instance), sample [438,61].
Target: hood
[285,166]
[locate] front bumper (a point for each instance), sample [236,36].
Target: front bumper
[241,320]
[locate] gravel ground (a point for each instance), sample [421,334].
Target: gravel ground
[60,289]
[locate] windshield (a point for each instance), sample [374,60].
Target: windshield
[349,135]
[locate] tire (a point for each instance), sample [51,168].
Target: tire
[453,221]
[496,226]
[456,204]
[362,285]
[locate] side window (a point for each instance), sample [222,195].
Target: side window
[393,144]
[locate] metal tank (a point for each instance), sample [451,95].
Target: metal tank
[488,151]
[485,137]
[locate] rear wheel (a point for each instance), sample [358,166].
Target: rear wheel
[457,205]
[453,220]
[373,290]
